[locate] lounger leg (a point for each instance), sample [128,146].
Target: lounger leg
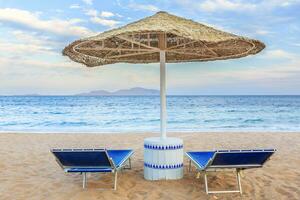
[115,180]
[84,181]
[190,165]
[238,176]
[129,160]
[205,181]
[128,165]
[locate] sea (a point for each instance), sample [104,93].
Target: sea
[123,114]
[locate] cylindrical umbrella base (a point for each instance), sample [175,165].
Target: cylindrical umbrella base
[163,158]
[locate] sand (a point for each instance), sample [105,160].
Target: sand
[29,171]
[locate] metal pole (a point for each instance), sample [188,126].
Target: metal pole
[84,180]
[115,181]
[205,181]
[239,180]
[163,112]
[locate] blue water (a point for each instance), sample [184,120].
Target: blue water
[139,114]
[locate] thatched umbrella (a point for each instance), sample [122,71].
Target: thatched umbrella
[163,38]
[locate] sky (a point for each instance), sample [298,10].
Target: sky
[33,34]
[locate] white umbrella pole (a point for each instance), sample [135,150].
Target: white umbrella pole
[170,149]
[163,112]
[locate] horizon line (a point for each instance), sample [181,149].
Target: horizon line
[78,95]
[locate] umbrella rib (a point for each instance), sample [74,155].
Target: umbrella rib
[191,54]
[192,42]
[219,48]
[138,43]
[174,47]
[212,57]
[115,49]
[75,50]
[210,50]
[229,56]
[127,55]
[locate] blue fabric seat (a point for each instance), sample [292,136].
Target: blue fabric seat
[92,161]
[234,159]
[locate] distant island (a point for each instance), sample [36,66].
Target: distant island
[26,95]
[137,91]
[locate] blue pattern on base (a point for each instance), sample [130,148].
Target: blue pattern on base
[160,147]
[154,166]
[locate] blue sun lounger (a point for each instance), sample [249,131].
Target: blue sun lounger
[92,161]
[206,161]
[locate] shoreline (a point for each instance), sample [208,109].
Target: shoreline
[150,132]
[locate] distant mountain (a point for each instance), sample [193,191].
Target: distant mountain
[95,93]
[137,91]
[27,95]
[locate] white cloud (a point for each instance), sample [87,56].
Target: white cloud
[106,14]
[28,44]
[256,75]
[88,2]
[23,49]
[58,10]
[280,3]
[278,54]
[75,6]
[238,5]
[276,71]
[118,15]
[68,77]
[32,37]
[217,5]
[104,22]
[145,7]
[31,62]
[296,44]
[76,20]
[101,18]
[91,12]
[262,32]
[32,20]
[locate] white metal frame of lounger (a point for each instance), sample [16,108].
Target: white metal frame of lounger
[84,180]
[238,178]
[238,168]
[206,182]
[114,169]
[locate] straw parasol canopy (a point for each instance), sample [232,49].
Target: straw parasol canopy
[182,40]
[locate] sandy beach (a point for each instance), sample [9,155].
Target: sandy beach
[29,171]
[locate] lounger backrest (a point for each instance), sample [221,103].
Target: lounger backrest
[82,158]
[241,158]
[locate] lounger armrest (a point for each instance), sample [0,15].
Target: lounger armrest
[125,159]
[201,159]
[119,157]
